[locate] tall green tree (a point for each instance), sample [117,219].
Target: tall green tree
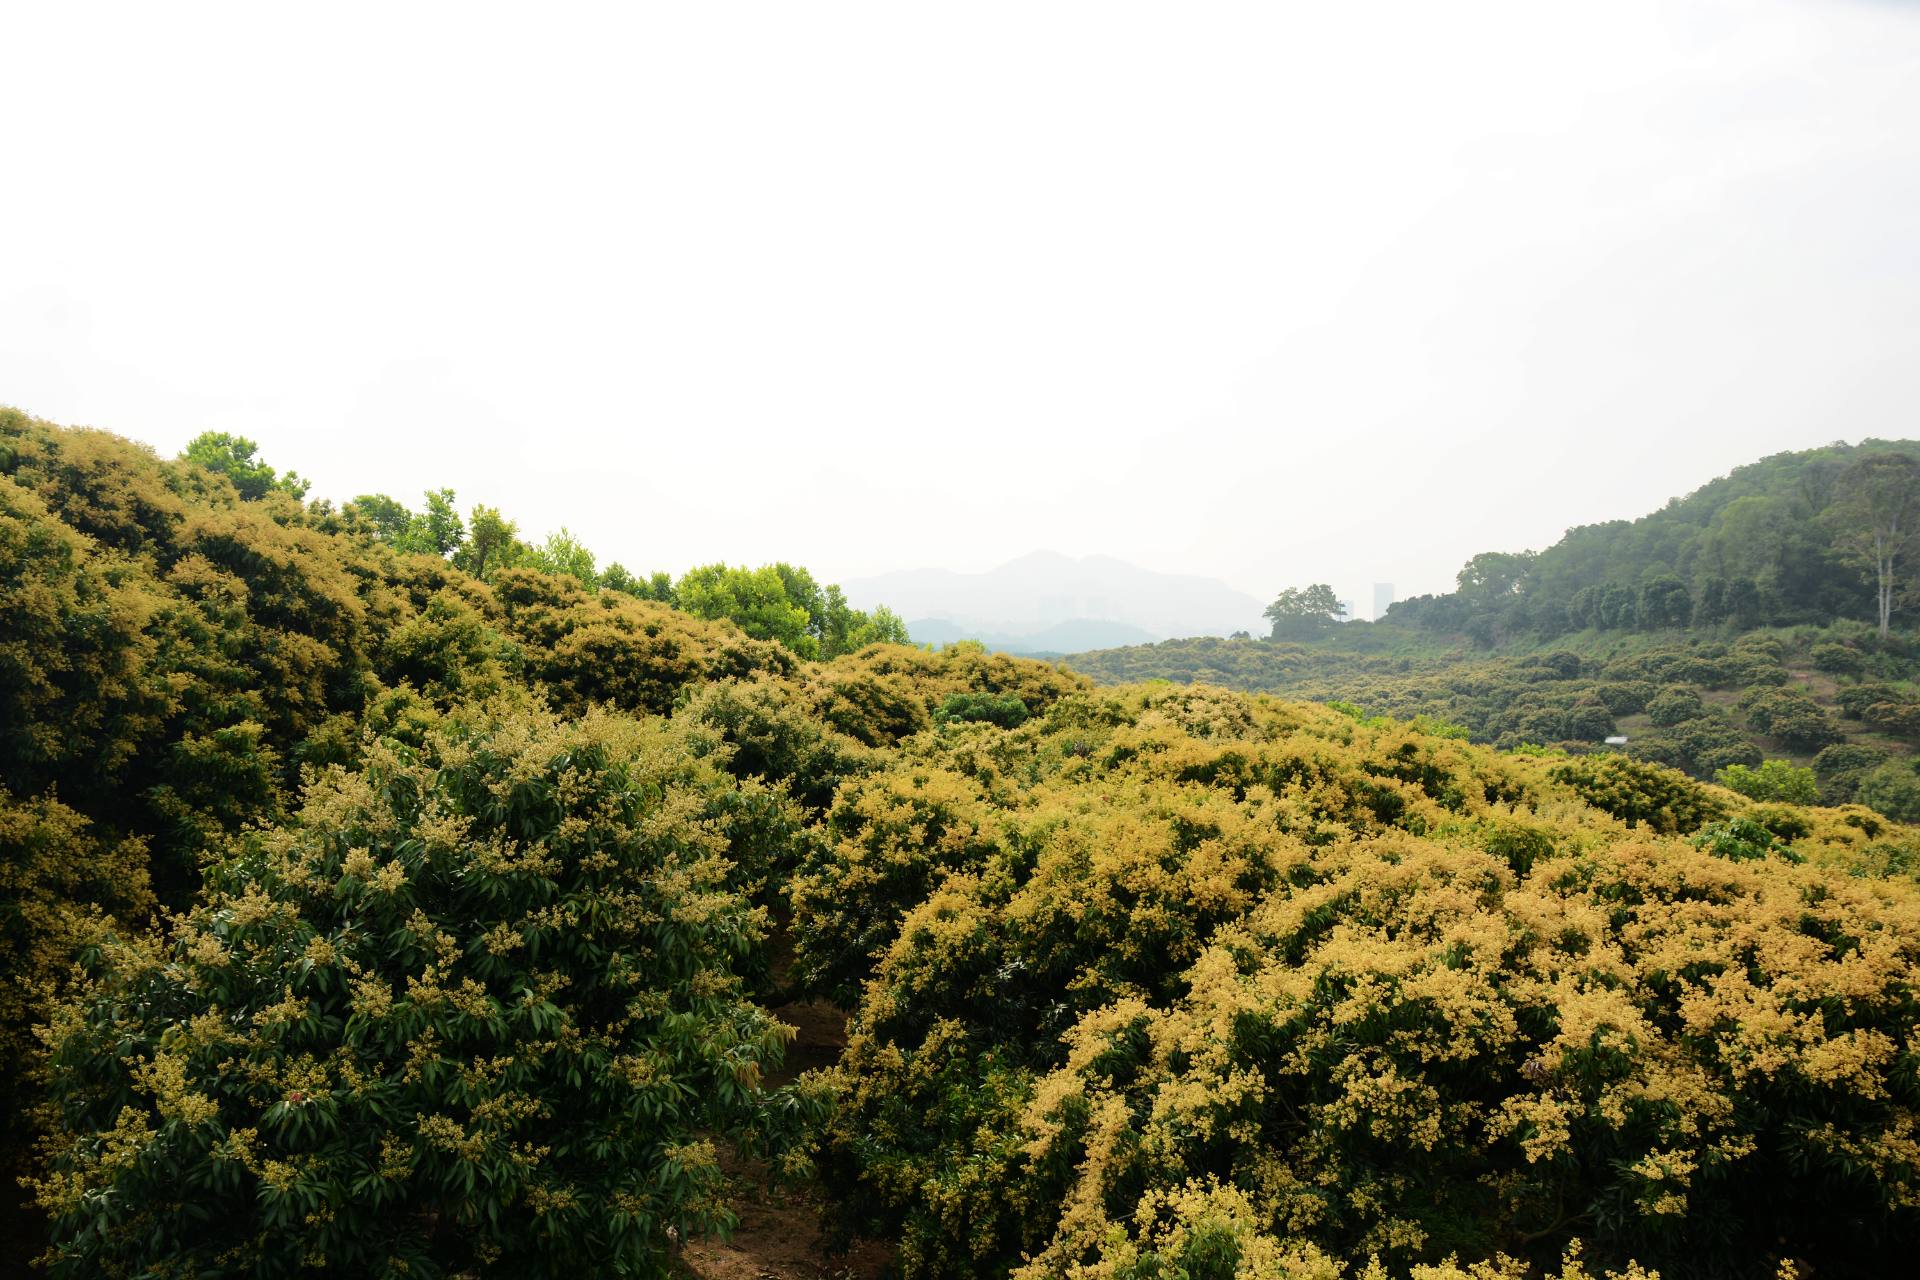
[1494,575]
[474,1011]
[562,553]
[436,531]
[1876,516]
[390,518]
[759,601]
[235,458]
[1304,611]
[492,543]
[439,530]
[1664,602]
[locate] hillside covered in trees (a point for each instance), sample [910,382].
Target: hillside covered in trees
[382,895]
[1738,634]
[1797,538]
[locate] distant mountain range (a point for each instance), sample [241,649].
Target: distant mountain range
[1050,603]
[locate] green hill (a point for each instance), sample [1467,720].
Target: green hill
[1735,626]
[1780,542]
[375,901]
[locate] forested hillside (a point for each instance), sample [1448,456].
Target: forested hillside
[1797,538]
[1832,713]
[383,895]
[1745,633]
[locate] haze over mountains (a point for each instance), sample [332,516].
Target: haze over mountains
[1047,602]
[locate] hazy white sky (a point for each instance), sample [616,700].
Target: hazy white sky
[1275,293]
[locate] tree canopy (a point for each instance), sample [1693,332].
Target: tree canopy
[234,457]
[1788,540]
[383,893]
[1304,611]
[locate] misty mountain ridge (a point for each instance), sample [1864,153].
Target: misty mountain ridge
[1047,602]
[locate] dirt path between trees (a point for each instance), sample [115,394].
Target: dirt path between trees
[779,1233]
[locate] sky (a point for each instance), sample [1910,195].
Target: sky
[1273,293]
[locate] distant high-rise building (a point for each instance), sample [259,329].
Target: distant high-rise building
[1346,611]
[1382,597]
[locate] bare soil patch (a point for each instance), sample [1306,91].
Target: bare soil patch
[779,1239]
[779,1234]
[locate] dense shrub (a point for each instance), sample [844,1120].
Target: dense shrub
[1673,704]
[63,883]
[1901,719]
[1172,1020]
[1748,667]
[1625,697]
[1589,722]
[769,727]
[1160,981]
[1838,659]
[1004,709]
[1640,793]
[1792,717]
[889,840]
[1701,746]
[888,692]
[1840,768]
[74,691]
[1771,780]
[610,648]
[1892,789]
[1855,699]
[474,1008]
[1537,699]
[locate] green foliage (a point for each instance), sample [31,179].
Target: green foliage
[74,688]
[885,693]
[1574,700]
[451,650]
[1839,659]
[1792,717]
[1788,540]
[782,603]
[614,649]
[492,544]
[769,730]
[233,457]
[1893,789]
[1899,718]
[1303,611]
[1641,793]
[1149,981]
[1742,840]
[1772,780]
[1004,710]
[474,1008]
[437,531]
[755,600]
[889,839]
[1855,700]
[1672,705]
[62,882]
[1840,768]
[173,654]
[1875,518]
[1203,979]
[563,555]
[1701,746]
